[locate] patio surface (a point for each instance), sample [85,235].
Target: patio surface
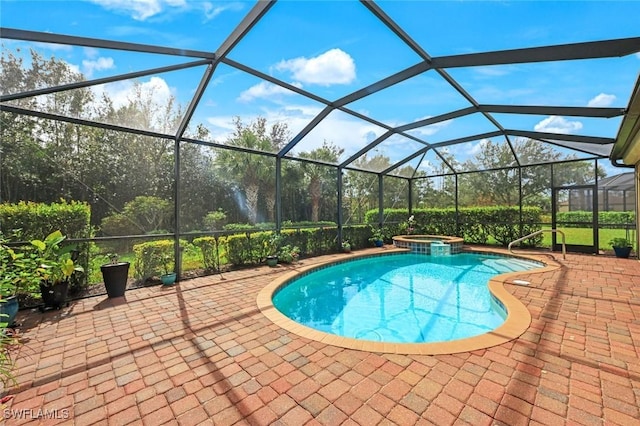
[202,353]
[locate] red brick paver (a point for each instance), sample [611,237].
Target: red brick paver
[202,353]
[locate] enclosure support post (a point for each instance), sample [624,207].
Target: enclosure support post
[278,194]
[410,196]
[176,210]
[380,200]
[521,230]
[457,207]
[339,204]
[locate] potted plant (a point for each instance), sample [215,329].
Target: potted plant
[621,246]
[273,246]
[288,254]
[115,275]
[55,265]
[346,246]
[377,237]
[168,278]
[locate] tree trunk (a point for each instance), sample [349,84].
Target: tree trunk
[271,206]
[251,191]
[315,190]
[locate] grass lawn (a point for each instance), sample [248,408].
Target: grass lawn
[584,236]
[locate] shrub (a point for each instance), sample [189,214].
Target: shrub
[150,258]
[28,221]
[210,247]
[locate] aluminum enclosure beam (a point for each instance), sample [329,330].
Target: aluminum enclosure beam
[25,35]
[562,137]
[562,52]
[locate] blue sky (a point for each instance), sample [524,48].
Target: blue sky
[333,48]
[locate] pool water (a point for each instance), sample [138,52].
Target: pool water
[403,298]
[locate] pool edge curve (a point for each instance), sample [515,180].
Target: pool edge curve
[517,322]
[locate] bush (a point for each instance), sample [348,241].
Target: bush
[211,248]
[27,220]
[215,220]
[474,224]
[154,258]
[37,220]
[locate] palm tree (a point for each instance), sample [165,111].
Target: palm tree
[315,174]
[253,171]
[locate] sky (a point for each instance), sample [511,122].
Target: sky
[334,48]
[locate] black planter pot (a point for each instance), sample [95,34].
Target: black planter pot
[623,252]
[54,296]
[115,276]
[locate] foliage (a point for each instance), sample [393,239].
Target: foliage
[54,262]
[475,225]
[288,254]
[28,220]
[319,179]
[620,242]
[253,174]
[211,248]
[577,218]
[142,215]
[25,221]
[215,220]
[8,342]
[153,257]
[274,243]
[377,234]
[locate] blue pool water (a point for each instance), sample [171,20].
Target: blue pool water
[406,298]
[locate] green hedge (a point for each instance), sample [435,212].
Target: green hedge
[474,224]
[607,219]
[212,250]
[27,220]
[154,258]
[37,220]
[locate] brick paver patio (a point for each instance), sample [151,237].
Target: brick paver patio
[202,353]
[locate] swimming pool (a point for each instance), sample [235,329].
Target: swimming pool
[402,302]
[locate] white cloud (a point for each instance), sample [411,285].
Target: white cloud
[263,90]
[139,10]
[478,147]
[431,129]
[142,10]
[555,124]
[602,100]
[332,67]
[344,131]
[122,93]
[99,64]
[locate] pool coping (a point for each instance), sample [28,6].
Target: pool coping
[517,322]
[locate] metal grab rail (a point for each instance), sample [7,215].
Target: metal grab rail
[564,247]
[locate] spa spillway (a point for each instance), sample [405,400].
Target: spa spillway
[429,244]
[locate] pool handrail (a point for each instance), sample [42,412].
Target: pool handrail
[533,234]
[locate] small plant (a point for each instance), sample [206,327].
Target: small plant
[55,264]
[620,242]
[166,259]
[411,225]
[274,243]
[376,235]
[288,254]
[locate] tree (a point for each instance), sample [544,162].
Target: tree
[501,187]
[253,171]
[316,175]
